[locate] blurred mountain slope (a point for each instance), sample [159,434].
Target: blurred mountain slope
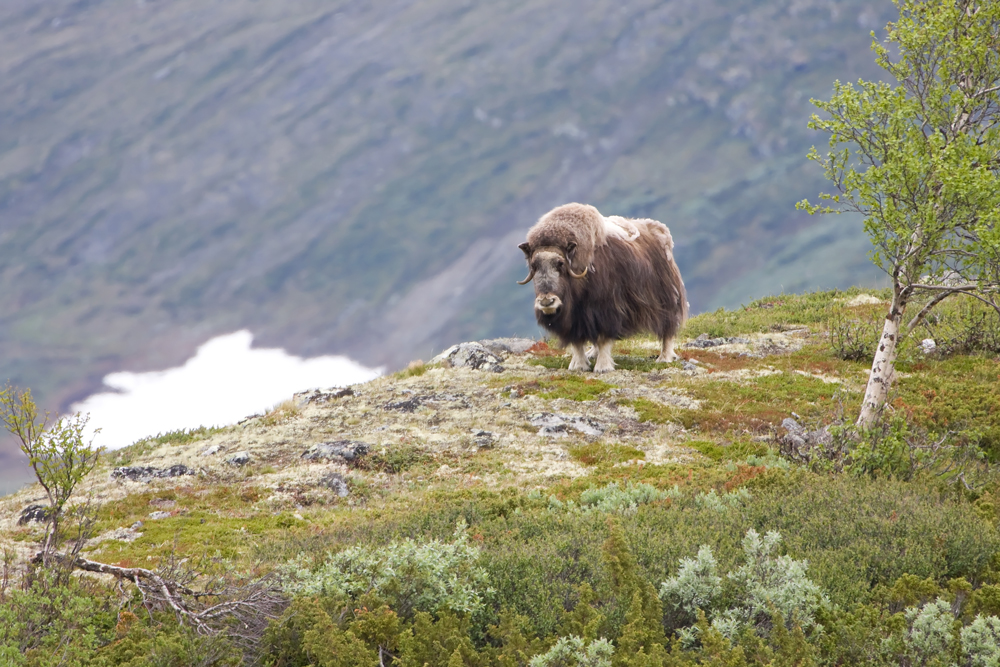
[353,177]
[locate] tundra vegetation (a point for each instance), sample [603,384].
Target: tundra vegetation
[685,523]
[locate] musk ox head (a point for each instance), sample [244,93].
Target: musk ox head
[560,248]
[576,229]
[551,270]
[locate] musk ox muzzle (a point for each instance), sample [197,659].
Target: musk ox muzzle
[549,304]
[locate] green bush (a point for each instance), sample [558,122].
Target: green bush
[52,619]
[410,576]
[574,652]
[765,584]
[612,498]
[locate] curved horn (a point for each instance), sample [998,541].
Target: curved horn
[531,274]
[569,268]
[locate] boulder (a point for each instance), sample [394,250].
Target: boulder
[336,483]
[147,473]
[33,513]
[507,346]
[239,458]
[470,355]
[558,425]
[704,341]
[344,450]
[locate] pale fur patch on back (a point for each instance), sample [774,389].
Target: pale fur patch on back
[615,225]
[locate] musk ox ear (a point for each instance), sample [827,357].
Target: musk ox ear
[526,249]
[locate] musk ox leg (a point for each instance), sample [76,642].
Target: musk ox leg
[591,351]
[604,361]
[579,361]
[667,353]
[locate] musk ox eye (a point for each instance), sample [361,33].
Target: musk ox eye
[560,264]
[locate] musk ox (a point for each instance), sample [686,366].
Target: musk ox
[602,279]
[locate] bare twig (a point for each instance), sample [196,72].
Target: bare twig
[251,605]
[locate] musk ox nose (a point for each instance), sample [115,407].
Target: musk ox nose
[548,303]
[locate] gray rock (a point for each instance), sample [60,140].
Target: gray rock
[336,483]
[484,439]
[323,395]
[123,534]
[928,345]
[470,355]
[558,425]
[212,450]
[158,515]
[409,405]
[345,450]
[239,458]
[147,473]
[33,513]
[704,341]
[505,346]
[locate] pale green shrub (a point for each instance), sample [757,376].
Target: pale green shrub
[763,585]
[696,585]
[981,642]
[714,501]
[408,575]
[612,498]
[572,652]
[930,635]
[766,583]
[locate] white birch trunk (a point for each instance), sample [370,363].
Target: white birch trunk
[883,369]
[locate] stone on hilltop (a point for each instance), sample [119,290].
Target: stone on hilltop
[148,473]
[239,458]
[346,450]
[470,355]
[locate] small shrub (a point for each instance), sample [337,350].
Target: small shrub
[930,637]
[612,498]
[394,458]
[855,338]
[408,575]
[963,325]
[605,453]
[981,642]
[413,369]
[765,585]
[721,503]
[573,652]
[696,586]
[52,619]
[281,413]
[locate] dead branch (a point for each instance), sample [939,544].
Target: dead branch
[240,610]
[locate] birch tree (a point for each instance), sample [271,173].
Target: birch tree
[919,158]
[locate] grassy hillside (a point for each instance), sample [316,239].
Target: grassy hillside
[174,170]
[518,506]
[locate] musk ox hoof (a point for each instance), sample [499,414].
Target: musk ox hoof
[667,358]
[603,366]
[579,364]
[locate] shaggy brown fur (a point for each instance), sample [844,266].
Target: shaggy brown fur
[630,286]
